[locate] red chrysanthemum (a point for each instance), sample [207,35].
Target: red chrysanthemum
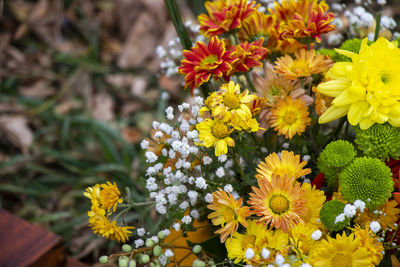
[224,15]
[303,19]
[248,55]
[202,61]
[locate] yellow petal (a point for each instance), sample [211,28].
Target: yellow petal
[365,123]
[333,113]
[334,88]
[220,148]
[356,112]
[346,53]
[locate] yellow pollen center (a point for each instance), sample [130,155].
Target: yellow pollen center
[385,78]
[205,62]
[341,260]
[220,130]
[279,204]
[290,117]
[231,101]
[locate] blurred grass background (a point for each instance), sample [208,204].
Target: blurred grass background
[80,85]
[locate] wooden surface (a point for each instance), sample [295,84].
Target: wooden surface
[23,244]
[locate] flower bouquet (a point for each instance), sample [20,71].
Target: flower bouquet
[286,153]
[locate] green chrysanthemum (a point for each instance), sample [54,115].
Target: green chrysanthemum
[379,141]
[328,213]
[367,179]
[334,158]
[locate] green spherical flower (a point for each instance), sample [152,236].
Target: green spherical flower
[379,141]
[367,179]
[337,154]
[328,213]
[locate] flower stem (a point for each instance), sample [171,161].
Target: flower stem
[377,25]
[238,167]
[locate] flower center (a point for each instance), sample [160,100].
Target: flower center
[205,62]
[220,130]
[385,78]
[290,117]
[231,101]
[279,204]
[341,260]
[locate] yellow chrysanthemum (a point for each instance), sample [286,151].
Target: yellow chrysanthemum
[93,193]
[286,164]
[215,133]
[300,237]
[110,196]
[257,237]
[390,215]
[315,199]
[228,213]
[279,202]
[370,241]
[366,89]
[290,117]
[306,63]
[110,230]
[231,105]
[339,252]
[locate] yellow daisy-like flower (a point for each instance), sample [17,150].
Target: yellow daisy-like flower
[257,237]
[315,199]
[110,230]
[370,241]
[286,164]
[228,213]
[306,63]
[390,215]
[279,202]
[300,237]
[110,196]
[93,193]
[339,252]
[290,117]
[231,105]
[366,89]
[215,133]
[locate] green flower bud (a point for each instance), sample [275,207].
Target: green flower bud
[367,179]
[211,263]
[132,263]
[196,249]
[126,248]
[123,262]
[157,250]
[328,213]
[380,141]
[198,263]
[161,235]
[145,258]
[149,243]
[152,264]
[103,259]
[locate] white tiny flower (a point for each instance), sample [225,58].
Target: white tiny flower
[195,214]
[285,145]
[349,210]
[155,239]
[306,180]
[306,157]
[177,226]
[340,218]
[207,160]
[140,231]
[316,235]
[220,172]
[208,198]
[222,158]
[166,232]
[249,253]
[158,134]
[381,2]
[359,204]
[375,226]
[163,260]
[184,205]
[186,219]
[265,253]
[201,183]
[228,188]
[305,265]
[138,243]
[264,150]
[150,157]
[168,253]
[279,259]
[144,144]
[155,125]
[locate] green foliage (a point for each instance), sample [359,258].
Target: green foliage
[379,141]
[328,213]
[366,179]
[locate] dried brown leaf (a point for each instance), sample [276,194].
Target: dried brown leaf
[103,106]
[14,129]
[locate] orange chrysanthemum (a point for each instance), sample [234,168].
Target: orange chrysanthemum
[290,117]
[303,19]
[260,25]
[224,15]
[306,63]
[202,61]
[228,213]
[279,202]
[286,164]
[322,102]
[248,55]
